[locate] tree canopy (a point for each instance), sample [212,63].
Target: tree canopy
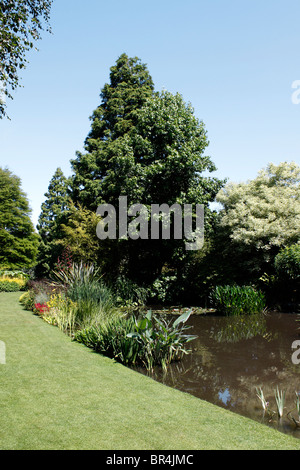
[18,241]
[106,147]
[21,24]
[264,212]
[78,235]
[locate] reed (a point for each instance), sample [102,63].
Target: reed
[280,401]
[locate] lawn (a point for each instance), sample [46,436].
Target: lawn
[58,394]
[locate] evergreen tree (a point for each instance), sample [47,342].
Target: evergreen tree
[18,241]
[107,147]
[53,213]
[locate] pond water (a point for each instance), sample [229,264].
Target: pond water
[234,355]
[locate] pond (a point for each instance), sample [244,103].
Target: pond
[234,355]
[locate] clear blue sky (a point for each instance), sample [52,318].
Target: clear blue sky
[234,60]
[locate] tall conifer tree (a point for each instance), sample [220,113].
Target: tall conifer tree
[53,213]
[108,146]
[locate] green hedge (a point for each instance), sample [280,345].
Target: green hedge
[9,286]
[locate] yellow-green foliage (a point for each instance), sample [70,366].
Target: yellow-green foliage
[61,313]
[21,282]
[27,300]
[57,301]
[12,280]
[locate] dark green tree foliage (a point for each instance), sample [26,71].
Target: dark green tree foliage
[149,147]
[18,241]
[108,147]
[286,285]
[53,213]
[21,23]
[169,155]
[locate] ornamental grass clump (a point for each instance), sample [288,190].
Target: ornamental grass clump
[80,273]
[280,401]
[296,421]
[92,301]
[237,300]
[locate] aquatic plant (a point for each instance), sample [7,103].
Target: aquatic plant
[161,342]
[297,407]
[237,300]
[280,401]
[260,395]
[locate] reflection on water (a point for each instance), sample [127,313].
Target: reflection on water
[225,396]
[234,355]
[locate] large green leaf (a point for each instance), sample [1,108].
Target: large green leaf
[183,318]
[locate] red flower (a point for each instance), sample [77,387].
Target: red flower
[41,308]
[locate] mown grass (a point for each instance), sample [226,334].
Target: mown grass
[58,394]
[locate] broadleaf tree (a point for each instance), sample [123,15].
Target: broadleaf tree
[262,216]
[21,25]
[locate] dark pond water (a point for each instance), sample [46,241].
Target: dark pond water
[234,355]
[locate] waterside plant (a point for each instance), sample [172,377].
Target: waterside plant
[237,300]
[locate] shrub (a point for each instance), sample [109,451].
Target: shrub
[15,277]
[17,283]
[163,288]
[287,263]
[237,300]
[129,293]
[9,286]
[27,300]
[14,274]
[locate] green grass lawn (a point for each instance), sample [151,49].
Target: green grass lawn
[58,394]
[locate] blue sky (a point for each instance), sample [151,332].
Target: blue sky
[234,60]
